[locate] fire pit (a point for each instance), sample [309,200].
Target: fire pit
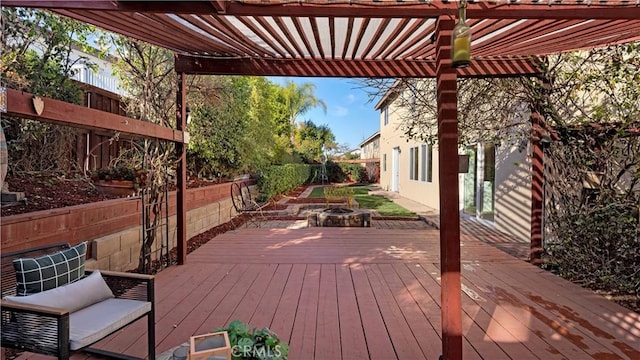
[339,217]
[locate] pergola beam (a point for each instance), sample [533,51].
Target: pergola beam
[21,104]
[349,68]
[480,10]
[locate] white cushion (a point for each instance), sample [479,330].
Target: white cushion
[73,297]
[92,323]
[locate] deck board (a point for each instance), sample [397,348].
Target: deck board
[347,294]
[348,313]
[376,333]
[304,327]
[266,309]
[327,340]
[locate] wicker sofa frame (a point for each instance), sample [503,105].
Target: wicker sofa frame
[54,340]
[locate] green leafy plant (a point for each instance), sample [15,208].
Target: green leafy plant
[252,344]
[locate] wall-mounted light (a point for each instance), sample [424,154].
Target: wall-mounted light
[461,39]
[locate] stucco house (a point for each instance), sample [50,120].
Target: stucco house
[496,189]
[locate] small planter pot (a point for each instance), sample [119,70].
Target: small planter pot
[463,163]
[116,187]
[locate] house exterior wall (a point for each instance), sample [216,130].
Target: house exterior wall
[512,186]
[371,149]
[102,77]
[392,136]
[513,192]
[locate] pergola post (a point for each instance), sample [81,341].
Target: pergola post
[181,171]
[447,98]
[537,181]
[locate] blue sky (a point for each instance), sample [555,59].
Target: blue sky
[350,115]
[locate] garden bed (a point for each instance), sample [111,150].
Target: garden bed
[52,191]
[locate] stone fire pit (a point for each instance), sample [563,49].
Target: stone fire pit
[339,217]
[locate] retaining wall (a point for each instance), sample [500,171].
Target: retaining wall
[113,228]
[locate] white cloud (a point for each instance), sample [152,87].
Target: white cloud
[340,111]
[351,98]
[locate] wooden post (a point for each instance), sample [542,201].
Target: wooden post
[447,95]
[537,181]
[181,171]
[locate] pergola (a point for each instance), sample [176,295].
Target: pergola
[351,38]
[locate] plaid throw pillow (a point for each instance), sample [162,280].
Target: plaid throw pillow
[34,275]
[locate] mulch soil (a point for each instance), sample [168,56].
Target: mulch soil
[294,200]
[44,192]
[52,191]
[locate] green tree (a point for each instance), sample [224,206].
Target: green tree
[299,99]
[311,140]
[37,57]
[220,129]
[264,116]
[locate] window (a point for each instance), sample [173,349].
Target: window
[430,167]
[426,171]
[386,115]
[384,162]
[413,163]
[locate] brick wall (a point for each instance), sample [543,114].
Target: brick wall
[113,227]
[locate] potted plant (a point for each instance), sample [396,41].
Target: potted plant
[119,180]
[250,344]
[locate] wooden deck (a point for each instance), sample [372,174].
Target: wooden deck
[336,293]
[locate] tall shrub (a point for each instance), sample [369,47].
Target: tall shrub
[355,172]
[279,179]
[592,228]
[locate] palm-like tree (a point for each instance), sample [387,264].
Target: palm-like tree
[300,99]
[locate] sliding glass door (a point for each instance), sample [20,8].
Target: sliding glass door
[479,182]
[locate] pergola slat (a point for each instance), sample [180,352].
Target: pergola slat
[367,37]
[332,35]
[209,44]
[316,36]
[121,26]
[518,33]
[361,32]
[247,22]
[289,35]
[276,36]
[223,25]
[377,35]
[231,43]
[408,45]
[582,34]
[305,40]
[347,39]
[393,37]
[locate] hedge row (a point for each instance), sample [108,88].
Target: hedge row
[280,179]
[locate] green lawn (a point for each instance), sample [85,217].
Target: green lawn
[318,192]
[384,206]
